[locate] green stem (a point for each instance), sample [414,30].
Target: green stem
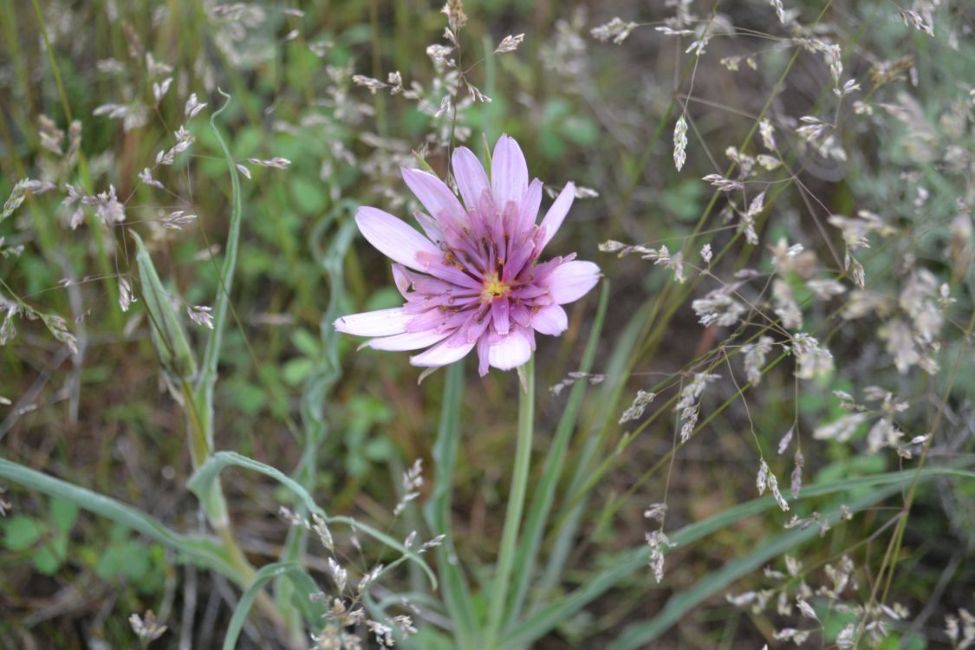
[516,503]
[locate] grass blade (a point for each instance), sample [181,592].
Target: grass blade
[541,505]
[303,585]
[456,592]
[200,550]
[201,480]
[625,564]
[570,513]
[208,372]
[639,634]
[168,335]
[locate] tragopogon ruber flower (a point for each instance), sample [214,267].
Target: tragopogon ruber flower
[475,279]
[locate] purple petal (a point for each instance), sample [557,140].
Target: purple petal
[572,280]
[470,176]
[394,238]
[556,214]
[427,320]
[509,171]
[551,320]
[511,351]
[408,341]
[435,196]
[382,322]
[499,316]
[521,314]
[447,273]
[453,349]
[430,226]
[530,203]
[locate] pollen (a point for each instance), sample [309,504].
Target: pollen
[493,288]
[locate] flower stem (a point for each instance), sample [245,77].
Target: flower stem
[516,503]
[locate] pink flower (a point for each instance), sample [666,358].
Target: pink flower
[475,279]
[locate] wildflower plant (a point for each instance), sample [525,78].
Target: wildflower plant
[762,419]
[475,280]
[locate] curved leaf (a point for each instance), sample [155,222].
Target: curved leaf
[204,477]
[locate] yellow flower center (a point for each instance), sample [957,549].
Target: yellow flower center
[493,288]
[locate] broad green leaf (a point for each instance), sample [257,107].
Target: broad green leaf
[47,560]
[63,513]
[21,532]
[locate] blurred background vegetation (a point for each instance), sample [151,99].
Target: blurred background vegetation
[597,113]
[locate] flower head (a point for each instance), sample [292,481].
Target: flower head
[474,280]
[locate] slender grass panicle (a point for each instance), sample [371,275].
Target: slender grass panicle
[474,280]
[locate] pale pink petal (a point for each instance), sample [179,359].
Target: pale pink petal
[444,352]
[572,280]
[511,351]
[435,196]
[551,320]
[470,176]
[483,362]
[394,238]
[509,171]
[430,226]
[401,279]
[530,203]
[382,322]
[556,214]
[408,341]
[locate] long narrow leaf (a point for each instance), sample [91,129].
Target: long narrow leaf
[639,634]
[168,336]
[211,356]
[456,592]
[318,387]
[200,550]
[302,583]
[625,564]
[209,472]
[570,513]
[541,504]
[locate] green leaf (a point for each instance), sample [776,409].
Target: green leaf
[306,343]
[204,551]
[211,355]
[21,532]
[168,335]
[456,592]
[627,563]
[63,513]
[209,472]
[296,370]
[127,559]
[638,635]
[302,583]
[308,195]
[544,492]
[47,561]
[571,509]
